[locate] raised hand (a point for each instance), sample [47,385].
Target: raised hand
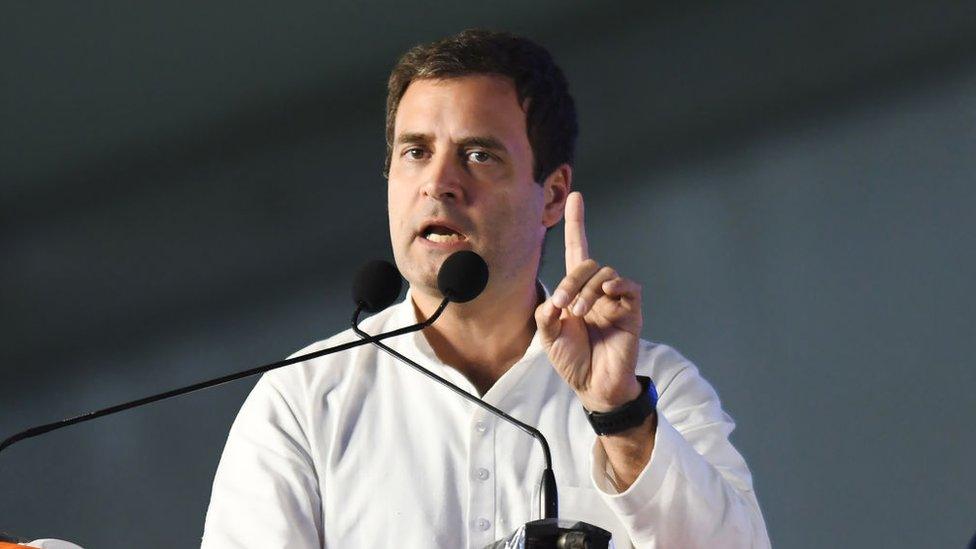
[591,325]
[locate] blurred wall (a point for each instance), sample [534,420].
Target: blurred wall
[186,190]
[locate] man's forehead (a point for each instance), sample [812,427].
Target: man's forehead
[466,106]
[485,141]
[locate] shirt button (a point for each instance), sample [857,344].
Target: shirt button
[481,427]
[483,474]
[483,524]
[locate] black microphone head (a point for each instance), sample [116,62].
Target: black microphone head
[377,286]
[463,276]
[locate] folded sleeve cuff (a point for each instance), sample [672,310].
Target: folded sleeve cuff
[631,501]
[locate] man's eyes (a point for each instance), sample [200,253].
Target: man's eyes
[415,153]
[479,157]
[472,156]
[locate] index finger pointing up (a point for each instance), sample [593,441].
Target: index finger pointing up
[576,247]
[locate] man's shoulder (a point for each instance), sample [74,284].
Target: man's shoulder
[329,369]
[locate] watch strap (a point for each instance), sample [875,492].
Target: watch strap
[629,415]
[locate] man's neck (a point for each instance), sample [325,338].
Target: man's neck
[483,338]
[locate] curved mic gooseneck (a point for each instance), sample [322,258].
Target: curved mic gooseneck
[462,277]
[548,499]
[41,429]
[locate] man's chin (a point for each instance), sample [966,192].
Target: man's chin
[423,267]
[423,278]
[427,260]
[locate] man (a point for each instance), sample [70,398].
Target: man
[356,450]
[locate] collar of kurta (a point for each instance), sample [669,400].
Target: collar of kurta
[416,345]
[405,315]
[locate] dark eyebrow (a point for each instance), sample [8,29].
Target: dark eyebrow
[415,138]
[485,142]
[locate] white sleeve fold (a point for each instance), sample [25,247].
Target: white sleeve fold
[265,492]
[696,490]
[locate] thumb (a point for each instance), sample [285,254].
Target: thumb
[547,322]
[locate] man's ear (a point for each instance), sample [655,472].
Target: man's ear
[555,190]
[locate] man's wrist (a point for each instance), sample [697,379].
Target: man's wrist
[631,414]
[614,400]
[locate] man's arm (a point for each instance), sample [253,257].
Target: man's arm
[683,484]
[628,452]
[265,493]
[695,490]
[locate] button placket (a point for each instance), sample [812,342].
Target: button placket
[481,486]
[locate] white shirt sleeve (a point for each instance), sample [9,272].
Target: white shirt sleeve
[696,490]
[265,492]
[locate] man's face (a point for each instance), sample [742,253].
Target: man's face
[461,179]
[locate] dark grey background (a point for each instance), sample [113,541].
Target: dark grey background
[186,189]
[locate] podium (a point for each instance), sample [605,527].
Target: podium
[555,534]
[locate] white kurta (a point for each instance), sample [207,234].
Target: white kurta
[357,450]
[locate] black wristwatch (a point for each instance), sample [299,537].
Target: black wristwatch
[629,415]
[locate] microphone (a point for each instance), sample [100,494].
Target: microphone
[374,291]
[377,285]
[461,278]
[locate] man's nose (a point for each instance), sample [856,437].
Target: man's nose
[444,178]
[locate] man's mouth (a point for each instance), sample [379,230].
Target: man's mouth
[442,234]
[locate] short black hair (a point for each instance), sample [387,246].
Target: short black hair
[551,117]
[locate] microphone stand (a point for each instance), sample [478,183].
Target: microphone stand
[548,500]
[549,532]
[41,429]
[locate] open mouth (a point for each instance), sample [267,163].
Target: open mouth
[442,234]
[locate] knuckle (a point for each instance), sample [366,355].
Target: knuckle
[594,288]
[589,265]
[591,291]
[583,272]
[568,283]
